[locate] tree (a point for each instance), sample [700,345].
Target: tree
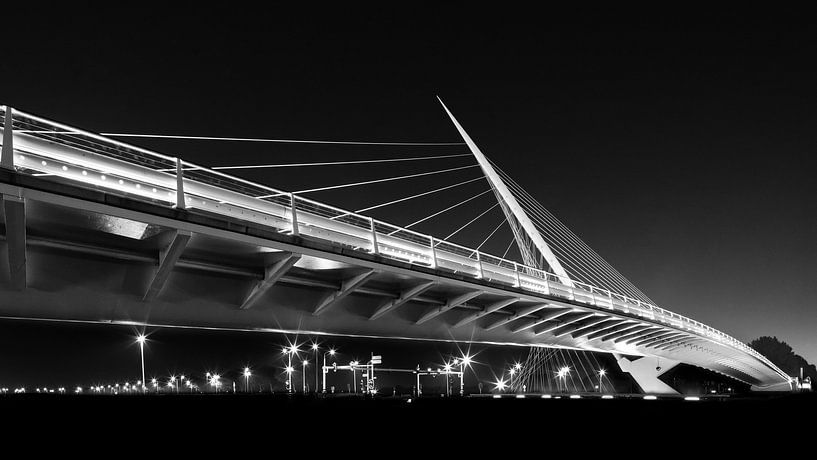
[784,357]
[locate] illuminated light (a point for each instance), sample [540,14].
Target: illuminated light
[314,345]
[140,339]
[546,396]
[44,163]
[289,369]
[602,372]
[137,185]
[575,396]
[466,360]
[520,396]
[500,385]
[22,158]
[517,366]
[121,182]
[607,397]
[692,398]
[650,397]
[332,352]
[497,396]
[84,173]
[154,190]
[65,168]
[102,177]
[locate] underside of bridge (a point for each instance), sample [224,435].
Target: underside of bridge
[76,250]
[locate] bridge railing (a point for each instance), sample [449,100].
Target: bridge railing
[55,151]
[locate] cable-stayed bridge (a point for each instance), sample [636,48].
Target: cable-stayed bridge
[97,230]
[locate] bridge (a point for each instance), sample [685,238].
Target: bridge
[98,230]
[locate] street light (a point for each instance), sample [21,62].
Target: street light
[315,349]
[354,381]
[602,373]
[304,363]
[331,352]
[247,375]
[500,385]
[562,374]
[140,339]
[289,351]
[289,370]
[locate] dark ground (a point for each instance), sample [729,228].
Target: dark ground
[455,425]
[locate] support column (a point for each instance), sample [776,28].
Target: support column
[167,260]
[14,208]
[646,372]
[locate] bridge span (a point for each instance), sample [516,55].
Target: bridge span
[96,230]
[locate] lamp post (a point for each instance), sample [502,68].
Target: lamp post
[216,381]
[247,374]
[354,379]
[331,352]
[601,374]
[447,368]
[315,349]
[304,363]
[289,351]
[140,339]
[562,374]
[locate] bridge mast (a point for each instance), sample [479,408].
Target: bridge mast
[513,211]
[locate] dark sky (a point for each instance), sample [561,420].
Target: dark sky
[679,146]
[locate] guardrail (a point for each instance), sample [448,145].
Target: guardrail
[53,150]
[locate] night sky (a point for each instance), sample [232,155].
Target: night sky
[679,147]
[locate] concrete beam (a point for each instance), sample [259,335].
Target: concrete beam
[577,326]
[667,341]
[458,300]
[405,296]
[550,327]
[346,288]
[542,319]
[678,343]
[15,211]
[272,274]
[521,313]
[625,332]
[603,326]
[660,338]
[496,306]
[615,329]
[637,334]
[644,335]
[167,260]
